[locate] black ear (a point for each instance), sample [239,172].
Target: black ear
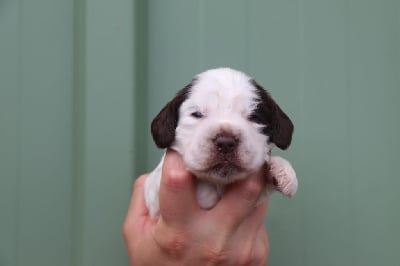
[277,124]
[164,124]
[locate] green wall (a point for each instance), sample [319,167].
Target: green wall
[35,132]
[334,66]
[67,131]
[80,81]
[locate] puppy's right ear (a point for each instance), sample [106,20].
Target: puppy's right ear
[164,124]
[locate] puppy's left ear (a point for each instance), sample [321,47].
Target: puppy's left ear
[278,126]
[164,124]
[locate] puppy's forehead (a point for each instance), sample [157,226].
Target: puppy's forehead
[223,87]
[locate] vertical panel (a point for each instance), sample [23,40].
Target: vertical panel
[45,166]
[78,203]
[174,45]
[223,34]
[141,47]
[375,68]
[328,179]
[36,99]
[108,130]
[9,129]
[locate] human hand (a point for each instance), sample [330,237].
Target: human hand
[231,233]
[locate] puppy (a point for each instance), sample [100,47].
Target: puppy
[224,125]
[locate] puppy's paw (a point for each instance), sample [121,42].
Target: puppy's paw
[283,176]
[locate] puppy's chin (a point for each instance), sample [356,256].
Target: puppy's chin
[222,173]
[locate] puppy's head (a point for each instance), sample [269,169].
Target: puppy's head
[223,124]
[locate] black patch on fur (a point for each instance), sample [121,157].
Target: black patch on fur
[164,124]
[278,126]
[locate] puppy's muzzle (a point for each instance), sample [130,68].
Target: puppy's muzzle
[225,143]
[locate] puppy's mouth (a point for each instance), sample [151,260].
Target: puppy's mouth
[224,172]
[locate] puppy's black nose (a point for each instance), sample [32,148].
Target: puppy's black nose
[225,143]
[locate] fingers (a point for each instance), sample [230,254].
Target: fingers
[261,247]
[177,192]
[137,207]
[257,217]
[239,200]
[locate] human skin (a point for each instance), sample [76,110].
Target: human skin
[231,233]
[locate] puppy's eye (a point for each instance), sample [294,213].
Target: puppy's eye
[253,118]
[197,114]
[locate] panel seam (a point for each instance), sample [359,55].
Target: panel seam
[79,132]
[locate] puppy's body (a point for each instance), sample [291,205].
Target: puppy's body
[224,125]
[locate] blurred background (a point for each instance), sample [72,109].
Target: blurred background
[80,81]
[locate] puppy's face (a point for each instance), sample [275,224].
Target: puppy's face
[223,124]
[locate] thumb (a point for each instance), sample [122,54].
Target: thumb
[177,191]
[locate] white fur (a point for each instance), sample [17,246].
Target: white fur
[226,98]
[284,174]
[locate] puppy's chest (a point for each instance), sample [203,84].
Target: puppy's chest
[208,194]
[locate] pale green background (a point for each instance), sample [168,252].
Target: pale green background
[80,81]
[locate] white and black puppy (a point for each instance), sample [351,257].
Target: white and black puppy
[224,125]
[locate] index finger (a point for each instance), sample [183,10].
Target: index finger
[239,201]
[137,210]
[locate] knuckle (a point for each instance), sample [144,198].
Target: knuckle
[125,230]
[139,182]
[174,179]
[251,190]
[252,257]
[246,255]
[175,246]
[215,256]
[261,251]
[214,251]
[128,229]
[260,257]
[245,258]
